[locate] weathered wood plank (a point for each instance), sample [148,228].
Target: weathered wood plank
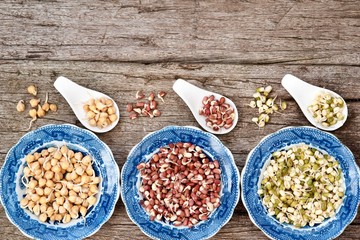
[122,80]
[301,32]
[230,47]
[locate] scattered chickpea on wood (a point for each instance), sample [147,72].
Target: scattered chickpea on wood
[100,112]
[60,184]
[37,110]
[32,90]
[20,107]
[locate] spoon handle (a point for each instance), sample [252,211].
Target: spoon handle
[296,87]
[68,89]
[186,91]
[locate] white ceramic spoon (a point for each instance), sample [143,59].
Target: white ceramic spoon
[305,93]
[77,96]
[193,96]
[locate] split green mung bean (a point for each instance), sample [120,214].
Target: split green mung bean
[302,186]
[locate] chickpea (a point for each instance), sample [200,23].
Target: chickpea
[47,166]
[64,164]
[72,198]
[24,202]
[96,180]
[62,210]
[71,153]
[27,171]
[79,170]
[43,217]
[78,156]
[67,218]
[50,183]
[43,200]
[39,191]
[64,150]
[36,210]
[72,193]
[44,153]
[54,161]
[49,175]
[64,191]
[37,155]
[30,205]
[41,160]
[83,211]
[93,189]
[32,184]
[60,200]
[47,191]
[79,200]
[29,158]
[91,200]
[42,182]
[61,184]
[43,208]
[57,155]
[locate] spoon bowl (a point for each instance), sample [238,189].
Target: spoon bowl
[77,96]
[193,96]
[305,93]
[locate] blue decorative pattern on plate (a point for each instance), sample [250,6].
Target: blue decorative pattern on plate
[11,189]
[330,228]
[212,146]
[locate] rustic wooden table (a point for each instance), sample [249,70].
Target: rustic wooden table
[230,47]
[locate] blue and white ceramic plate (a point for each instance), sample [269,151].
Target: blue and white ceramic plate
[330,228]
[212,146]
[12,190]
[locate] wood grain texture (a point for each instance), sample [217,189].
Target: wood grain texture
[277,31]
[230,47]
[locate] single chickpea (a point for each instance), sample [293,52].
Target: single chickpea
[24,202]
[35,198]
[43,217]
[83,211]
[67,218]
[29,158]
[43,200]
[32,184]
[49,175]
[47,166]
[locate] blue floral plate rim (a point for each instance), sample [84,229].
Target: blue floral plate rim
[280,131]
[117,171]
[232,161]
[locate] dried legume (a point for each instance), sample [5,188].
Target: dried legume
[180,185]
[60,184]
[327,109]
[302,186]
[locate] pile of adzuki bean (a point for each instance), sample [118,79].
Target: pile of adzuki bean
[218,113]
[180,185]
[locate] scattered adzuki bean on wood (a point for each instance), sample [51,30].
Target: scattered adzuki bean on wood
[218,113]
[180,185]
[145,108]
